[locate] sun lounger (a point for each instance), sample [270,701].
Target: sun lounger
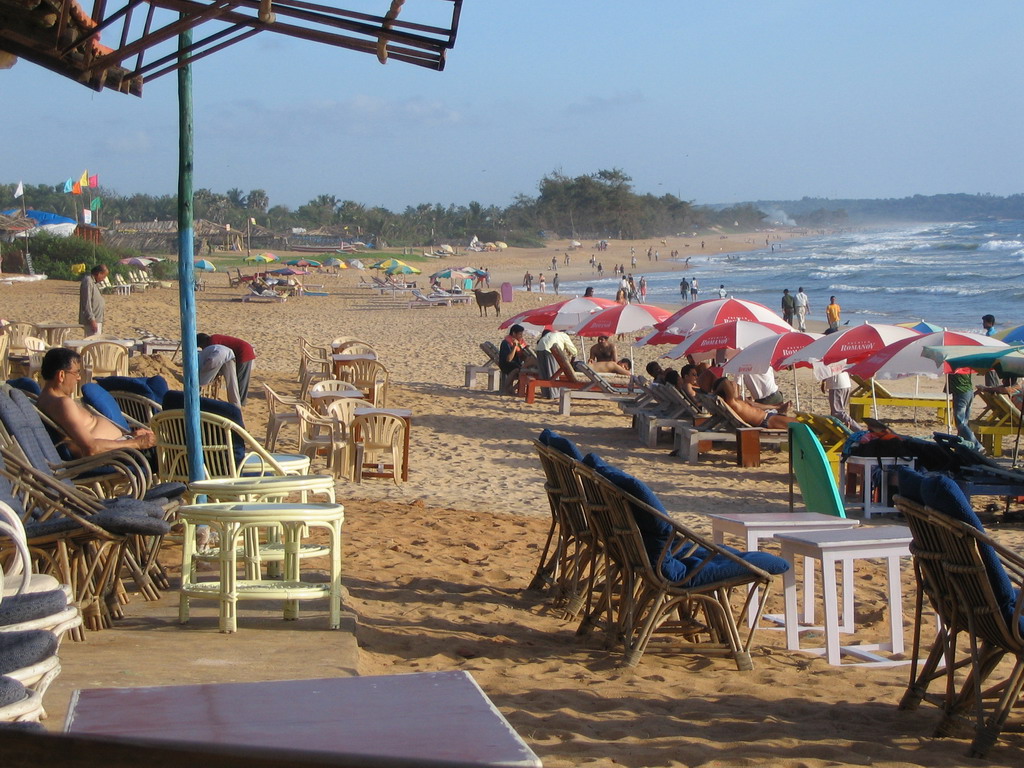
[672,410]
[1000,418]
[831,433]
[613,388]
[420,301]
[863,400]
[564,377]
[489,369]
[725,426]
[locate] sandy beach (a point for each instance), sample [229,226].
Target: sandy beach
[436,569]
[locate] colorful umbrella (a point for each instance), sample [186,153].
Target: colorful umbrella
[333,261]
[388,264]
[288,271]
[921,326]
[261,258]
[705,314]
[135,261]
[402,269]
[205,266]
[904,357]
[769,352]
[981,358]
[627,318]
[452,273]
[851,344]
[736,334]
[561,315]
[304,263]
[1013,335]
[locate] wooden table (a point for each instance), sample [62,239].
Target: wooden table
[403,413]
[433,716]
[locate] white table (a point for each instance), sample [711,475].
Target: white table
[844,547]
[752,527]
[860,468]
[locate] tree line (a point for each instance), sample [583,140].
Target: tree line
[592,206]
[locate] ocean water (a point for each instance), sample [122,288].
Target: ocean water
[948,274]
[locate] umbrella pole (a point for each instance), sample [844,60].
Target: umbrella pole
[917,392]
[874,400]
[796,387]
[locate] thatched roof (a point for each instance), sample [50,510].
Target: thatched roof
[16,223]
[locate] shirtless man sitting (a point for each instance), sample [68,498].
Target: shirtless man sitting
[754,414]
[89,433]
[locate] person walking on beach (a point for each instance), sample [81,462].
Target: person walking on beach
[554,262]
[988,324]
[832,312]
[554,283]
[960,385]
[803,306]
[693,288]
[722,293]
[788,306]
[684,290]
[91,302]
[643,289]
[838,389]
[543,284]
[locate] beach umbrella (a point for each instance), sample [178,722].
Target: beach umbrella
[621,318]
[1014,335]
[401,269]
[852,344]
[704,314]
[388,264]
[904,357]
[204,265]
[769,352]
[288,271]
[980,358]
[562,315]
[135,261]
[304,263]
[921,326]
[261,258]
[736,334]
[451,273]
[334,261]
[356,264]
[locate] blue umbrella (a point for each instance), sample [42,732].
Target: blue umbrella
[206,266]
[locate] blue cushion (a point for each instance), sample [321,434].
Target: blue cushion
[25,648]
[909,482]
[564,445]
[25,384]
[11,691]
[133,385]
[22,420]
[97,397]
[30,606]
[721,568]
[944,496]
[159,386]
[127,523]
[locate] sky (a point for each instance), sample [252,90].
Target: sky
[714,101]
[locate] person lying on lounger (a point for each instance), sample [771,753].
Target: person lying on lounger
[622,367]
[754,414]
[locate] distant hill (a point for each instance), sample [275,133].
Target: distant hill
[824,212]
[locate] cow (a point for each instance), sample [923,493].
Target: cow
[485,299]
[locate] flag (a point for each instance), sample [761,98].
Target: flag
[84,181]
[96,204]
[76,188]
[20,190]
[87,216]
[94,181]
[69,185]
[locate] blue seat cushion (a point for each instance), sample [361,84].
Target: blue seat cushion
[135,385]
[944,496]
[158,384]
[129,505]
[721,568]
[552,439]
[11,691]
[25,384]
[25,648]
[51,527]
[165,491]
[97,397]
[23,422]
[127,523]
[909,482]
[31,606]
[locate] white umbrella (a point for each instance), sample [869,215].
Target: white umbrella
[851,345]
[704,314]
[733,335]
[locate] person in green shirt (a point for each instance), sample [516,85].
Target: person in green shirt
[960,385]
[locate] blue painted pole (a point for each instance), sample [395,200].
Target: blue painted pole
[186,267]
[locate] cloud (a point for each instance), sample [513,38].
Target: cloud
[131,142]
[595,105]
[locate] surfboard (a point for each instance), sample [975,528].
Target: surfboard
[813,472]
[507,293]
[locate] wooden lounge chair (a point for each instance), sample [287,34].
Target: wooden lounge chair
[420,301]
[725,426]
[1000,418]
[975,585]
[868,393]
[565,376]
[568,566]
[672,409]
[489,369]
[662,577]
[614,388]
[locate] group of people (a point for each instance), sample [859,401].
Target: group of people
[688,289]
[796,307]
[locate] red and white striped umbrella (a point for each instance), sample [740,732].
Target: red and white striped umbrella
[852,344]
[769,353]
[705,314]
[561,315]
[732,335]
[904,357]
[620,318]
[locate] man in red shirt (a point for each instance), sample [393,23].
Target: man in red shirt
[244,357]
